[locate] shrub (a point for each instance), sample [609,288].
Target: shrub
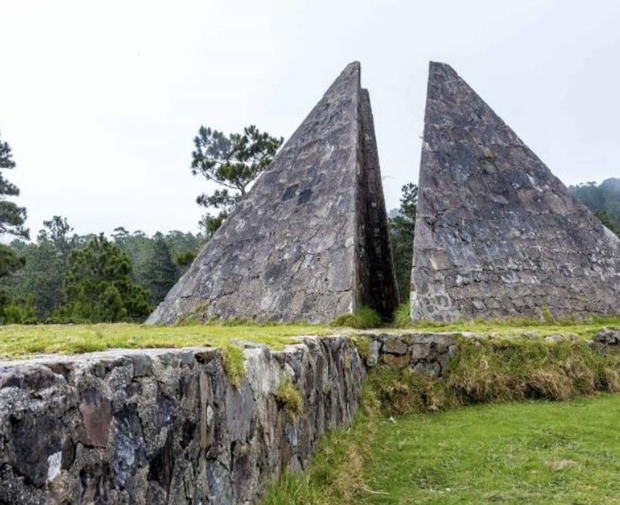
[362,318]
[402,315]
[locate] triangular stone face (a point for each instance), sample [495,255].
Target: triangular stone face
[310,240]
[497,234]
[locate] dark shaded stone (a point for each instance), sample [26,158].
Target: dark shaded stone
[11,378]
[496,233]
[98,487]
[162,466]
[304,196]
[96,412]
[309,241]
[33,440]
[289,192]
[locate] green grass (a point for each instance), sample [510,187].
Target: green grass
[509,325]
[234,364]
[530,452]
[483,371]
[402,316]
[361,318]
[289,398]
[420,439]
[18,341]
[522,326]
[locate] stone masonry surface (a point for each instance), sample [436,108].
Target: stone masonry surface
[310,240]
[497,234]
[167,427]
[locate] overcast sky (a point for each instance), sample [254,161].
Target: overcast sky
[100,100]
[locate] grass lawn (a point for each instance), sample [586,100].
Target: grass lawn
[514,453]
[17,341]
[521,326]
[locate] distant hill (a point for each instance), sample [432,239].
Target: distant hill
[603,199]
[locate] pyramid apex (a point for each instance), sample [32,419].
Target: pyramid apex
[437,69]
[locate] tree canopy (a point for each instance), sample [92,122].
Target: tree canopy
[98,286]
[603,199]
[12,218]
[232,162]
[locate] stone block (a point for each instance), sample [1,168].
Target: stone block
[394,345]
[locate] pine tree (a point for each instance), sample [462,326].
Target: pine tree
[233,162]
[12,218]
[98,285]
[160,272]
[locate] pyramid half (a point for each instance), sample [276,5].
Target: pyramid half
[497,234]
[310,241]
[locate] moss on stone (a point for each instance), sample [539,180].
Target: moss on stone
[234,365]
[289,398]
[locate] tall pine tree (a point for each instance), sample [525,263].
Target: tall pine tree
[160,272]
[12,218]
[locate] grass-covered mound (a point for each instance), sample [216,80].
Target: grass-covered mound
[525,452]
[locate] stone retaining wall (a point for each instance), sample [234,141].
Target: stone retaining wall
[424,352]
[166,426]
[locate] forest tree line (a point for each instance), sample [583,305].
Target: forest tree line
[67,277]
[62,277]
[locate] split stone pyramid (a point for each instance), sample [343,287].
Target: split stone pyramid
[496,233]
[310,240]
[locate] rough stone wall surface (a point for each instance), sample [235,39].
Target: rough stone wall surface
[496,233]
[166,426]
[293,248]
[425,353]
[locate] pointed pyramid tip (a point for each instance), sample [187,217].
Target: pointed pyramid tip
[350,73]
[438,64]
[354,67]
[440,68]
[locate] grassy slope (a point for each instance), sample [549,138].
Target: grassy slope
[22,340]
[513,453]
